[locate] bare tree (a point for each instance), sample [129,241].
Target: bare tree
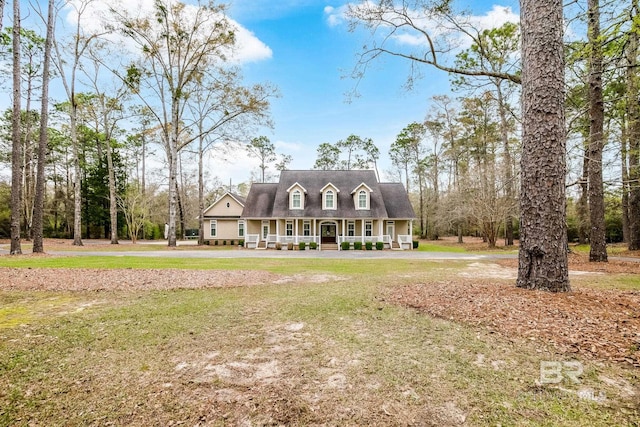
[388,19]
[68,64]
[178,43]
[38,212]
[16,156]
[136,207]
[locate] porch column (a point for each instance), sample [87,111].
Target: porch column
[315,234]
[277,230]
[362,231]
[296,230]
[411,232]
[380,227]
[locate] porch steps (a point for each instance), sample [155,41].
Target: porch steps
[329,247]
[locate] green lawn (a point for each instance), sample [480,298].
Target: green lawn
[303,353]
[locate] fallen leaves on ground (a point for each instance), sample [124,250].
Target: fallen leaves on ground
[597,324]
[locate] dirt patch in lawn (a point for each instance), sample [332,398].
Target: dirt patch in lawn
[594,323]
[85,279]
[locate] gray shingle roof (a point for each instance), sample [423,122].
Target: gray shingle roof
[259,202]
[272,200]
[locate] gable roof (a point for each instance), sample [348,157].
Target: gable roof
[238,198]
[272,200]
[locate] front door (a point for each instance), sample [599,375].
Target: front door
[391,230]
[265,230]
[328,233]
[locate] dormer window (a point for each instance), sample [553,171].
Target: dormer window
[329,197]
[362,197]
[296,200]
[296,196]
[329,200]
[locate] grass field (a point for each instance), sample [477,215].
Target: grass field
[304,352]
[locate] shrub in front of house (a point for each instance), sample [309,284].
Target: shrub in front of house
[302,246]
[224,243]
[215,243]
[357,246]
[313,246]
[240,242]
[415,244]
[290,246]
[278,246]
[345,246]
[368,245]
[379,246]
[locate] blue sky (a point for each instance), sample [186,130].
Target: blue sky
[305,49]
[310,61]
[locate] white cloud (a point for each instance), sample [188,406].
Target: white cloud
[95,15]
[494,18]
[288,147]
[336,16]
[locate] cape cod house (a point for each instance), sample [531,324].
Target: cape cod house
[328,207]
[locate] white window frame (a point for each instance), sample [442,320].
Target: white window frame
[368,228]
[362,206]
[333,206]
[351,228]
[306,228]
[288,227]
[241,228]
[213,228]
[293,200]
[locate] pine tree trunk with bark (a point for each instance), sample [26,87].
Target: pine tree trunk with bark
[597,236]
[543,262]
[38,212]
[16,155]
[633,112]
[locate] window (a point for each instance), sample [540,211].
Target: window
[351,228]
[214,228]
[289,228]
[368,228]
[362,199]
[306,228]
[295,200]
[329,200]
[240,228]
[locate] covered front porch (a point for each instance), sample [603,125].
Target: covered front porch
[330,233]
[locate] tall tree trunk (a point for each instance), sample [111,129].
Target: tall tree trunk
[172,154]
[597,236]
[16,155]
[2,3]
[508,172]
[625,184]
[583,202]
[38,212]
[633,112]
[77,171]
[201,190]
[543,262]
[113,203]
